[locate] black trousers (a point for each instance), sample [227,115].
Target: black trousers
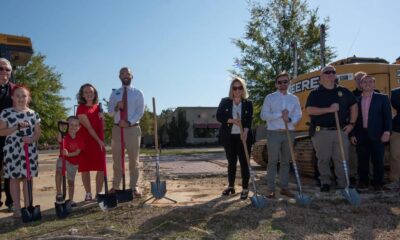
[374,150]
[234,150]
[6,189]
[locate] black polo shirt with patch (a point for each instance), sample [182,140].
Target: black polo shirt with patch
[322,97]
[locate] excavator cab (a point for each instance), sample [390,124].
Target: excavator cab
[18,50]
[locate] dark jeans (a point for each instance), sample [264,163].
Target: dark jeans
[233,151]
[6,189]
[374,150]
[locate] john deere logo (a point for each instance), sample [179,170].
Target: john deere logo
[340,94]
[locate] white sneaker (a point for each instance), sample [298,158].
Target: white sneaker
[88,197]
[393,185]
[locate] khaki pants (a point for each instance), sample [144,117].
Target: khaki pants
[278,149]
[132,137]
[326,145]
[394,157]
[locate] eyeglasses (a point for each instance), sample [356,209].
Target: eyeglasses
[282,82]
[5,69]
[237,88]
[330,72]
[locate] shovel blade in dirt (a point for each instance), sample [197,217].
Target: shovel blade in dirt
[158,189]
[107,200]
[31,213]
[351,196]
[258,201]
[303,199]
[63,209]
[124,195]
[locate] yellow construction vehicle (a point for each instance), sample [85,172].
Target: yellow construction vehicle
[387,78]
[18,50]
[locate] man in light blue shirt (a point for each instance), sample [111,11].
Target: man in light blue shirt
[280,107]
[127,107]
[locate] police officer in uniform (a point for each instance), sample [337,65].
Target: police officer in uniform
[321,105]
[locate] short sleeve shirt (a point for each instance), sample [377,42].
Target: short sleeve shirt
[72,145]
[322,97]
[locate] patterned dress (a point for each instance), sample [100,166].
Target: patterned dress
[14,154]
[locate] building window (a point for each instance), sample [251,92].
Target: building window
[205,132]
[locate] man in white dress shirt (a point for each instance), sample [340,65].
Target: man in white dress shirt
[279,107]
[127,106]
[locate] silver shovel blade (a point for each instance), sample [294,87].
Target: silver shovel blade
[158,189]
[258,201]
[351,196]
[303,199]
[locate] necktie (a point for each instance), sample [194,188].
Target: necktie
[124,111]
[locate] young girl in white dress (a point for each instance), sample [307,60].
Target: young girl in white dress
[21,125]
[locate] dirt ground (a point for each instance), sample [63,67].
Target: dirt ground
[196,182]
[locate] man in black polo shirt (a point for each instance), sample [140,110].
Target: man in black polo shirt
[321,105]
[5,102]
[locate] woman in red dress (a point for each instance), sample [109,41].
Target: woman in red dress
[90,118]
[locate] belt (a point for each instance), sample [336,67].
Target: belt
[319,128]
[132,125]
[278,130]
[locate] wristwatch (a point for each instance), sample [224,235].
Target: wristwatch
[352,123]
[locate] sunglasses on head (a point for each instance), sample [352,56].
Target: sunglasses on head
[330,72]
[237,88]
[282,82]
[5,69]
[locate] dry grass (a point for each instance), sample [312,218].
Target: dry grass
[223,218]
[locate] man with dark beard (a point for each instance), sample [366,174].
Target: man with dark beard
[127,106]
[5,102]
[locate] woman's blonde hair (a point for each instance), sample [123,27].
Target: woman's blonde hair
[245,94]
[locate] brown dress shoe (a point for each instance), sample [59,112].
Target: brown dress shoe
[286,192]
[137,193]
[271,195]
[111,191]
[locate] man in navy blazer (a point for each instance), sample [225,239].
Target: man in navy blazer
[395,143]
[372,130]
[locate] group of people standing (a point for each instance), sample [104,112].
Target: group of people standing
[83,145]
[364,118]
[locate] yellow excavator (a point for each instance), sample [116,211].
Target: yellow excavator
[387,78]
[17,49]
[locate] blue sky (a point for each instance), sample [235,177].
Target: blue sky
[180,50]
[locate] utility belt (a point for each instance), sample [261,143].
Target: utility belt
[319,128]
[132,125]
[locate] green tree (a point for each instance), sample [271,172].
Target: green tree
[147,123]
[45,86]
[177,129]
[162,122]
[267,45]
[183,127]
